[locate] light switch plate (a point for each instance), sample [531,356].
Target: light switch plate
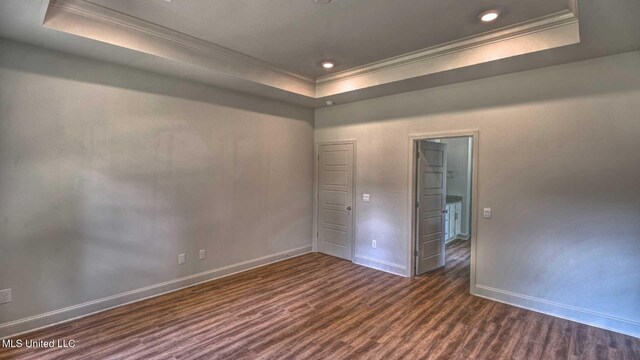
[486,213]
[182,258]
[5,296]
[365,197]
[203,254]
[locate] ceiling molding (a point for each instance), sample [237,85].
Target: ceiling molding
[554,30]
[83,18]
[573,6]
[86,19]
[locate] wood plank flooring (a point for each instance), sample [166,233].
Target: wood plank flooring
[319,307]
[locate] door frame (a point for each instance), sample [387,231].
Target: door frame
[316,193]
[411,189]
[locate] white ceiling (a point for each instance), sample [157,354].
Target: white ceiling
[606,28]
[296,35]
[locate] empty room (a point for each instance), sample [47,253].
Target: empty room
[319,179]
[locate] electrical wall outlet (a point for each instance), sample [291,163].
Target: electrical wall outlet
[486,213]
[203,254]
[5,296]
[182,258]
[366,197]
[374,244]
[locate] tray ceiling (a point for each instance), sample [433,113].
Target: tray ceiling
[296,35]
[272,48]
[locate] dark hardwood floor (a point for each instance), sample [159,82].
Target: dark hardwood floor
[319,307]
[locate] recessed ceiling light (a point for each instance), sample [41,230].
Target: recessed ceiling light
[328,64]
[489,16]
[321,2]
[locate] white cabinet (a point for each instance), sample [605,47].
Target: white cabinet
[458,218]
[447,227]
[453,221]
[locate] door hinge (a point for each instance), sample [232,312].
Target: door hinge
[418,154]
[415,253]
[417,204]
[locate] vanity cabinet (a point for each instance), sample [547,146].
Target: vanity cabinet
[453,220]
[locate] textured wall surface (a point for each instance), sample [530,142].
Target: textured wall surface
[559,163]
[108,173]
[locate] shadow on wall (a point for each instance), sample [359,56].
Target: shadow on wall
[17,56]
[103,209]
[485,93]
[101,186]
[558,163]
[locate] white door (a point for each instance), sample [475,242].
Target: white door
[335,199]
[431,205]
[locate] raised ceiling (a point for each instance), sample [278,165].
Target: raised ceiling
[296,35]
[271,48]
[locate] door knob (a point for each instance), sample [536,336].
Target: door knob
[349,208]
[444,211]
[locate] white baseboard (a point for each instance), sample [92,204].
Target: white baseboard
[584,316]
[381,265]
[17,327]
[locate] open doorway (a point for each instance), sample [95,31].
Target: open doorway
[458,189]
[443,198]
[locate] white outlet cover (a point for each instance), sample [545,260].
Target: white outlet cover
[374,244]
[5,296]
[366,197]
[203,254]
[182,258]
[486,213]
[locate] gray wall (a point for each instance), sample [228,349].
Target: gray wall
[460,182]
[107,173]
[559,163]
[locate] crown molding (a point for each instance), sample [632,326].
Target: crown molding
[551,31]
[89,20]
[573,7]
[83,18]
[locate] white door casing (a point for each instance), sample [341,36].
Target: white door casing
[431,205]
[335,199]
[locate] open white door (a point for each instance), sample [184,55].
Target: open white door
[431,204]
